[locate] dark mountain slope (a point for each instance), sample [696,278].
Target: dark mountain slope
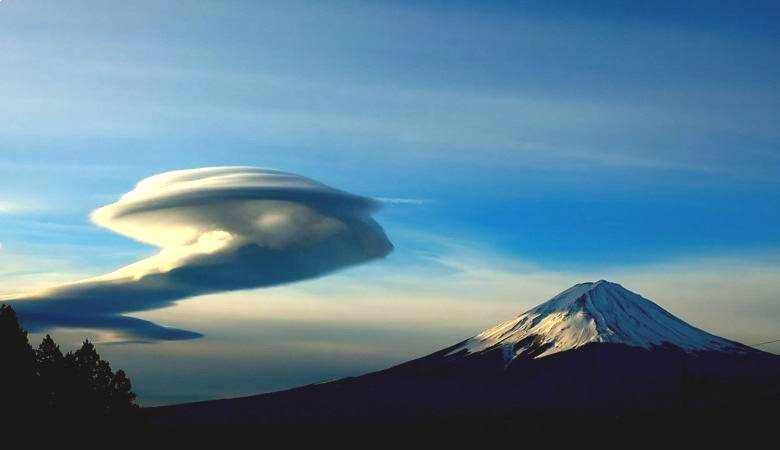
[633,360]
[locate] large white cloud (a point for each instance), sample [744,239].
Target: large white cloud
[218,229]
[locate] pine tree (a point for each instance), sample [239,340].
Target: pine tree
[122,395]
[83,371]
[51,365]
[49,354]
[18,375]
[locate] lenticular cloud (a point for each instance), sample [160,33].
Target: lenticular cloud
[218,229]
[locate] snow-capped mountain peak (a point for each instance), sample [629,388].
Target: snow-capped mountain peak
[592,312]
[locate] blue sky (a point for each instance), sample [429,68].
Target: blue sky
[529,144]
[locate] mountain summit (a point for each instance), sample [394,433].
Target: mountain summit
[589,313]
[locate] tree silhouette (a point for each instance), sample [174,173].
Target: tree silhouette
[45,384]
[51,367]
[95,389]
[18,374]
[122,399]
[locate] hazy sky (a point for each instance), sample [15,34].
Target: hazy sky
[517,149]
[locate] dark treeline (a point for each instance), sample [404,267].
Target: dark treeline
[44,384]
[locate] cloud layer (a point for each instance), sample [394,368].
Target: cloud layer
[219,229]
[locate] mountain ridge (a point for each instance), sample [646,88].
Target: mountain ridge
[596,380]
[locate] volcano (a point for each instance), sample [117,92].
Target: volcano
[589,313]
[596,351]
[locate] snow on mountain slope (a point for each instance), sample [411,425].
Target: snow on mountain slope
[592,312]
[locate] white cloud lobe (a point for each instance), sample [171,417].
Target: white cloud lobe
[218,229]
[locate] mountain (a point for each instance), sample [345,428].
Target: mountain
[600,312]
[596,352]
